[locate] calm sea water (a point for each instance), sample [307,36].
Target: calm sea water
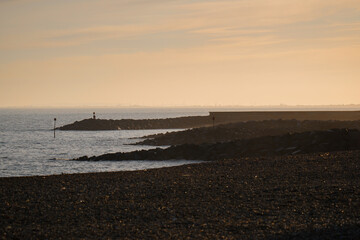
[28,146]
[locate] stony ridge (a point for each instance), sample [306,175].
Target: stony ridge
[291,143]
[215,118]
[134,124]
[243,130]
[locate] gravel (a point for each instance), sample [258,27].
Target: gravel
[313,196]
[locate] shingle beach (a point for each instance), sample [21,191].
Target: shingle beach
[313,196]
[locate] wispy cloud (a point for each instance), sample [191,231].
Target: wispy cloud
[218,26]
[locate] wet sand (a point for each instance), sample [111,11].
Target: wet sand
[303,197]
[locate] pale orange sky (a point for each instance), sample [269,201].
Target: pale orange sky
[179,53]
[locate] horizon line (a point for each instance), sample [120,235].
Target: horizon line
[189,106]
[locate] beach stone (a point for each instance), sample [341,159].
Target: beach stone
[265,197]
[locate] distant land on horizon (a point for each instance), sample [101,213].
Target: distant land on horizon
[280,106]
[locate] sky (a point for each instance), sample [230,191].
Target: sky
[74,53]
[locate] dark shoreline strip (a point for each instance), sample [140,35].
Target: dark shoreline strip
[295,143]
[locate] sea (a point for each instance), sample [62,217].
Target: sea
[28,146]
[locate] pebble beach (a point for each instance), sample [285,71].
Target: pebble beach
[309,196]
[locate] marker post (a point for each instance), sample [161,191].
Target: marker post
[54,126]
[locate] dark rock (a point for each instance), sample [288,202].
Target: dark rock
[244,130]
[132,124]
[295,143]
[220,118]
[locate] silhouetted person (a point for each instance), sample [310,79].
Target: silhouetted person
[94,117]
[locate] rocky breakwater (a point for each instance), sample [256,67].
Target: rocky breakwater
[243,130]
[288,144]
[214,118]
[135,124]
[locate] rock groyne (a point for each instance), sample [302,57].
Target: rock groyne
[135,124]
[296,143]
[243,130]
[214,118]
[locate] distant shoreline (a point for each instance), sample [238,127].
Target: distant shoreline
[214,118]
[339,107]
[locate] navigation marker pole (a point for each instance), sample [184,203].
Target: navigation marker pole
[54,126]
